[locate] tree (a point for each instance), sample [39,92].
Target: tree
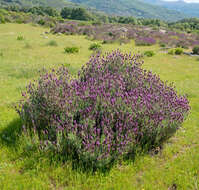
[66,12]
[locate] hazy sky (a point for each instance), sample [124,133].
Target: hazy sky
[187,1]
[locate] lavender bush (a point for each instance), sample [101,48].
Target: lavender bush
[112,107]
[145,41]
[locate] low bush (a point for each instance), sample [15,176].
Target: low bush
[20,38]
[149,53]
[171,52]
[178,51]
[195,50]
[163,45]
[27,46]
[71,50]
[41,22]
[95,46]
[112,107]
[2,19]
[52,43]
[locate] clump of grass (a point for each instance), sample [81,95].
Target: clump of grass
[52,43]
[1,54]
[71,49]
[162,45]
[171,52]
[27,46]
[149,53]
[20,38]
[95,46]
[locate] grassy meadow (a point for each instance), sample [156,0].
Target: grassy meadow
[24,167]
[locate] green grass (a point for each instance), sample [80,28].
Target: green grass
[22,166]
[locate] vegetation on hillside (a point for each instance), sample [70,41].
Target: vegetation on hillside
[134,8]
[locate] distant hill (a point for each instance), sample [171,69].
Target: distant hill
[135,8]
[29,3]
[190,9]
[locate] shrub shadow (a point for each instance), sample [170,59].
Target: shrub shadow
[9,136]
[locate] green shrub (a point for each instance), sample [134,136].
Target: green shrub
[41,22]
[1,54]
[195,50]
[149,53]
[52,43]
[71,50]
[178,51]
[95,46]
[20,38]
[171,52]
[162,45]
[2,19]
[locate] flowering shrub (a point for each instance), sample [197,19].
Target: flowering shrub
[112,107]
[145,41]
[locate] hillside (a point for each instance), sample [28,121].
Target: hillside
[190,9]
[29,3]
[132,8]
[135,8]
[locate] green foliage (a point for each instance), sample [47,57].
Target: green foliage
[135,8]
[75,13]
[178,51]
[189,25]
[42,10]
[71,49]
[20,38]
[52,43]
[41,22]
[95,46]
[162,45]
[149,53]
[171,52]
[66,12]
[195,50]
[2,19]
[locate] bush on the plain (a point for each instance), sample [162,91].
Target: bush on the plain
[178,51]
[71,50]
[95,46]
[52,43]
[20,38]
[195,50]
[149,53]
[109,109]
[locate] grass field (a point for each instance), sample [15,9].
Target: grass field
[24,167]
